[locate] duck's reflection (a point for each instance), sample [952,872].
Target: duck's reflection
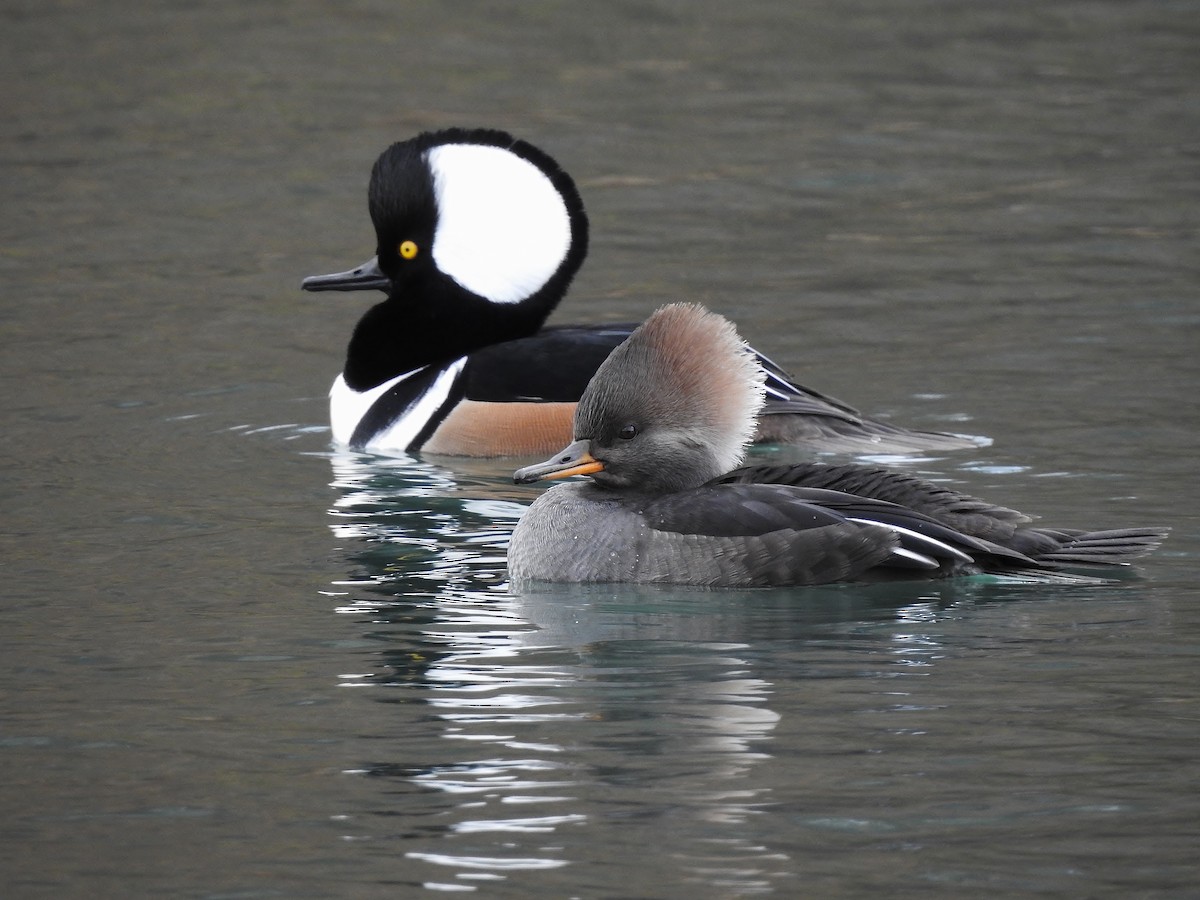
[570,725]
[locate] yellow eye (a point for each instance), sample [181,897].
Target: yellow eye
[407,249]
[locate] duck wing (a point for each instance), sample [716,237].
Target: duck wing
[795,414]
[961,512]
[552,366]
[774,534]
[1007,534]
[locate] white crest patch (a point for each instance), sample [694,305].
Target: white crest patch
[503,228]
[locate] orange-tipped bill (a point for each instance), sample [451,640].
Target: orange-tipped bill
[574,459]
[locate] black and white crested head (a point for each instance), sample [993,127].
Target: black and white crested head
[493,214]
[673,406]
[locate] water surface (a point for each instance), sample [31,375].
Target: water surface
[234,663]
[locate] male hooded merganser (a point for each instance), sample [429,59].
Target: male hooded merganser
[478,238]
[658,429]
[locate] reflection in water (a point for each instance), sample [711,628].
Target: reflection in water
[525,720]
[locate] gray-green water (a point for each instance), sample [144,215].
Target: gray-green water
[234,664]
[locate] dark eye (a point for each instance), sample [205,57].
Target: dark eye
[628,433]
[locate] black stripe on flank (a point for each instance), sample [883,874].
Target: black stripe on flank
[399,401]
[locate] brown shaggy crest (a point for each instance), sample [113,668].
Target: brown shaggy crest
[705,377]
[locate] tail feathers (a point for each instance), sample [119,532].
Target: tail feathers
[1114,547]
[822,427]
[794,414]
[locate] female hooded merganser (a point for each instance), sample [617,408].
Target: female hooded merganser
[658,429]
[478,238]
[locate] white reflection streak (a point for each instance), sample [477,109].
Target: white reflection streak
[920,649]
[546,728]
[534,825]
[915,651]
[486,862]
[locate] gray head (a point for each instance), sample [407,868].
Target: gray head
[672,407]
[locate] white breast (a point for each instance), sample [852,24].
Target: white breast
[347,408]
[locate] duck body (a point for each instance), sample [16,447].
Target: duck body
[736,532]
[658,429]
[761,537]
[478,237]
[508,399]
